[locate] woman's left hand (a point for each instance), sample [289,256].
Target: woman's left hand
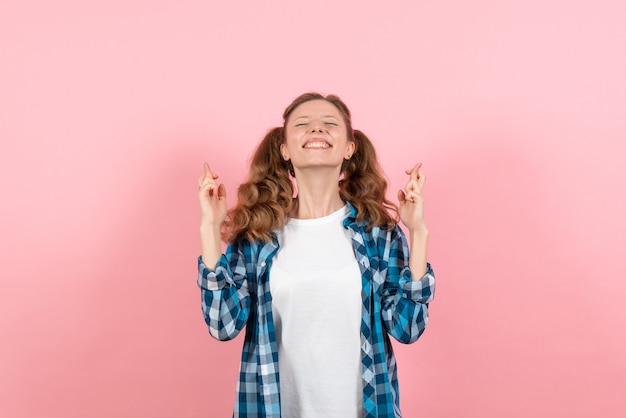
[411,200]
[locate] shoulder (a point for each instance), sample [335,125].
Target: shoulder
[357,220]
[252,249]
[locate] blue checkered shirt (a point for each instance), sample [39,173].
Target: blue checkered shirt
[237,294]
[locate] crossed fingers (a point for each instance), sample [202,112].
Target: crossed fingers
[207,183]
[413,189]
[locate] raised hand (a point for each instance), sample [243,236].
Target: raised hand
[212,198]
[411,200]
[214,209]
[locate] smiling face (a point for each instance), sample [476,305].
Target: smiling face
[316,136]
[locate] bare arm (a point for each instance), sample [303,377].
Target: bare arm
[213,207]
[412,215]
[418,253]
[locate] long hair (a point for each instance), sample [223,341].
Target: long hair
[267,196]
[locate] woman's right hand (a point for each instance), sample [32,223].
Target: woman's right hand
[213,206]
[212,198]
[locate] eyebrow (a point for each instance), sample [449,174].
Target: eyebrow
[308,117]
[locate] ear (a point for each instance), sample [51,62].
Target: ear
[350,147]
[284,152]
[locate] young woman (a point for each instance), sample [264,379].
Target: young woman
[316,269]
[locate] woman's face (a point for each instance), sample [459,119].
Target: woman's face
[316,137]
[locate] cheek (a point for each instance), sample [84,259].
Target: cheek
[290,144]
[340,138]
[290,141]
[292,135]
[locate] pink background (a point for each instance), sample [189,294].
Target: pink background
[107,109]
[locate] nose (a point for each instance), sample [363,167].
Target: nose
[317,126]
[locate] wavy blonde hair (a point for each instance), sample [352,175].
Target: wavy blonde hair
[267,196]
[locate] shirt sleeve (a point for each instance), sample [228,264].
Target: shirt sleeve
[225,294]
[404,300]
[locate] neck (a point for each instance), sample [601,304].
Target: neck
[318,194]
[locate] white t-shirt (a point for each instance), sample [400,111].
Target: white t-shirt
[315,284]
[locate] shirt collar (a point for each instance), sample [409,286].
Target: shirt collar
[350,221]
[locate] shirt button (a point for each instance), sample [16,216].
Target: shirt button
[263,264]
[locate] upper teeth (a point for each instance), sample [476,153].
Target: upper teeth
[316,144]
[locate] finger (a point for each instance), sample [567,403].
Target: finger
[421,179]
[205,174]
[401,196]
[206,181]
[208,177]
[207,171]
[207,186]
[414,172]
[412,197]
[415,185]
[221,191]
[411,185]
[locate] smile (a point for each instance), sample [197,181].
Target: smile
[316,144]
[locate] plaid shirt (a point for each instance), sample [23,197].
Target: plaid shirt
[238,293]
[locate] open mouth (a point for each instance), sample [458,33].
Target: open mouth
[316,143]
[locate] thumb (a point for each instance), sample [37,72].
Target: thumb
[401,196]
[221,191]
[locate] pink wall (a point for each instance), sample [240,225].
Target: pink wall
[517,109]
